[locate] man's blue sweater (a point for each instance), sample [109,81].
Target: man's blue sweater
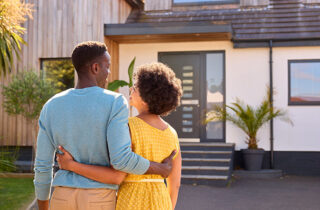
[85,122]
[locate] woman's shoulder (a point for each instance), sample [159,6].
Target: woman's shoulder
[133,121]
[172,130]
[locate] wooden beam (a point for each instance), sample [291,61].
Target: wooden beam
[113,48]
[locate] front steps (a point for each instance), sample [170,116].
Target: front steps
[207,163]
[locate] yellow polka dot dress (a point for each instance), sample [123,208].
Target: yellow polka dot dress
[145,192]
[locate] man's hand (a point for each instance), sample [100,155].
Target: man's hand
[164,169]
[167,163]
[65,160]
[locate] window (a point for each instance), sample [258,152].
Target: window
[304,82]
[215,91]
[60,72]
[195,2]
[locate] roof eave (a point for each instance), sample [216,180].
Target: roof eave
[165,28]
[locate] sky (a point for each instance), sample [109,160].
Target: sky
[305,79]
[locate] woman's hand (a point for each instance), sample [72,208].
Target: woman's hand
[101,174]
[65,160]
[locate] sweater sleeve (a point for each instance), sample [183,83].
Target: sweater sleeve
[119,142]
[44,160]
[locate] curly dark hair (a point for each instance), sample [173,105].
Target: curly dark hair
[87,52]
[158,87]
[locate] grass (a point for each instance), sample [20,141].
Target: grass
[15,193]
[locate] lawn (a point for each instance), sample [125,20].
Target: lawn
[15,193]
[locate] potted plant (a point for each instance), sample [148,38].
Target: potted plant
[249,119]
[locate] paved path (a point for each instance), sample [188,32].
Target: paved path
[288,193]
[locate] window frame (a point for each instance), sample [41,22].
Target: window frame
[41,60]
[296,103]
[48,59]
[208,2]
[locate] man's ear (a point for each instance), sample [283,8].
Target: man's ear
[94,68]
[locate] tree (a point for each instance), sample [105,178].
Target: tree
[60,73]
[13,13]
[25,95]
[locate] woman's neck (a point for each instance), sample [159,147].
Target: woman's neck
[148,115]
[153,120]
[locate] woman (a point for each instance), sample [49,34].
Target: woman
[156,93]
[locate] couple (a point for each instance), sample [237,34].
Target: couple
[88,128]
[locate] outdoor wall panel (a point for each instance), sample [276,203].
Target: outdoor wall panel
[150,5]
[57,26]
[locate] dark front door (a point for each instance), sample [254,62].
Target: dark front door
[199,95]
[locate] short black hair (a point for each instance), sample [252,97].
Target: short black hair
[158,87]
[85,53]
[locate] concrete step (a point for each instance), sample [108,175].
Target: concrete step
[217,168]
[206,161]
[217,180]
[205,154]
[227,160]
[207,146]
[204,177]
[205,170]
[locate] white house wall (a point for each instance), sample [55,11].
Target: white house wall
[305,134]
[247,76]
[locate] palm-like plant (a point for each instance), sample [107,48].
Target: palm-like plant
[116,84]
[12,14]
[9,44]
[248,118]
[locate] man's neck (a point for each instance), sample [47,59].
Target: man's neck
[85,84]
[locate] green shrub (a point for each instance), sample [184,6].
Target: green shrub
[26,94]
[7,159]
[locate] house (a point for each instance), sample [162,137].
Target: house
[221,49]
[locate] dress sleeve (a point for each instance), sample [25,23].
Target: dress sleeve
[177,144]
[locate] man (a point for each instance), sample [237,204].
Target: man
[91,123]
